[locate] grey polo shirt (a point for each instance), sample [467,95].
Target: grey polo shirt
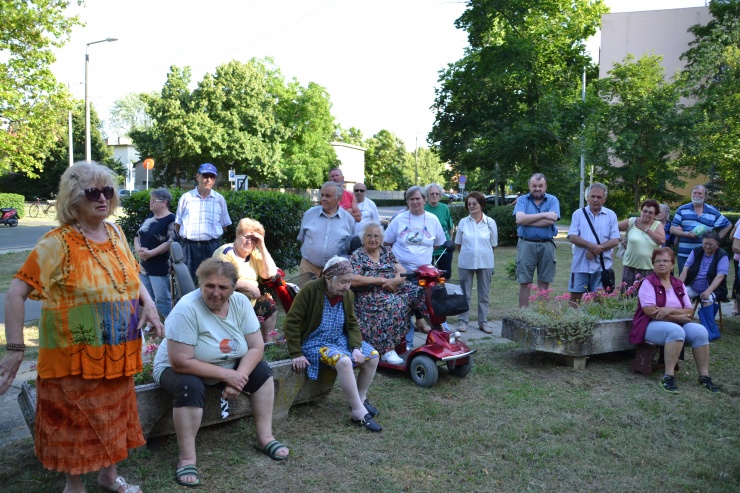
[323,236]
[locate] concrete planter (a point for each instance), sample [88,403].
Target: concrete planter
[608,336]
[155,404]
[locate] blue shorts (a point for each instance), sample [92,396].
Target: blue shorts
[583,282]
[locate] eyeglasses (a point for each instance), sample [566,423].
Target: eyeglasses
[93,194]
[663,261]
[359,191]
[648,212]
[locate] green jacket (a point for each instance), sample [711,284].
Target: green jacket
[305,316]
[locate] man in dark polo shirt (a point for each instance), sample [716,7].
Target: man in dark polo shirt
[536,214]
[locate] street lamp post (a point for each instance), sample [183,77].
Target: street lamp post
[87,100]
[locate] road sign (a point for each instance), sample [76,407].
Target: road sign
[232,175]
[148,163]
[463,179]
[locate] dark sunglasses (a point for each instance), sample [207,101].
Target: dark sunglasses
[93,194]
[359,191]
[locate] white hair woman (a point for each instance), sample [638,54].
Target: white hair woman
[321,327]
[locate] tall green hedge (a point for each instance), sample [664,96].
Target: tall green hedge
[279,213]
[13,200]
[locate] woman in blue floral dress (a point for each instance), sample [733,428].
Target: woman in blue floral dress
[384,300]
[321,328]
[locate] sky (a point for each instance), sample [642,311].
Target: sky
[378,59]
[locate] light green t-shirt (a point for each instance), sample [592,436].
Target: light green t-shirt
[639,246]
[218,340]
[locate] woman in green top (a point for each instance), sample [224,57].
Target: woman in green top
[434,206]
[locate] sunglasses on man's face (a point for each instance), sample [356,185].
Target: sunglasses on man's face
[93,194]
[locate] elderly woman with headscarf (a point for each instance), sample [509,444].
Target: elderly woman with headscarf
[93,310]
[213,338]
[152,245]
[321,327]
[249,255]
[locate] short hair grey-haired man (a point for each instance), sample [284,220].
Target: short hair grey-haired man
[536,214]
[324,230]
[586,268]
[692,219]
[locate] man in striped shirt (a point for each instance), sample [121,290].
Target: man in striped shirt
[692,220]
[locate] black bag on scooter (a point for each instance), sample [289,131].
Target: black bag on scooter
[448,299]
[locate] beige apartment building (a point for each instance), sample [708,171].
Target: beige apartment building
[659,32]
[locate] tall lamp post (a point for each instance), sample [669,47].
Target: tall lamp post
[87,100]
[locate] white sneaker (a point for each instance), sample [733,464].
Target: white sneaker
[392,358]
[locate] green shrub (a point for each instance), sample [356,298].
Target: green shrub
[505,222]
[279,213]
[13,200]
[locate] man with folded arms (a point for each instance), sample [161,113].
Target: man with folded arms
[536,214]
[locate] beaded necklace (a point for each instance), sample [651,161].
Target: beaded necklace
[120,289]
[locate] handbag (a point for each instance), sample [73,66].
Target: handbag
[607,275]
[448,299]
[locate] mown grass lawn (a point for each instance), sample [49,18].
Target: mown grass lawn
[517,423]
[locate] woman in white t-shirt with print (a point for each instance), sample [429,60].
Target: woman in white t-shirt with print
[413,235]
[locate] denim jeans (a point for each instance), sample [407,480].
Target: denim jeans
[159,290]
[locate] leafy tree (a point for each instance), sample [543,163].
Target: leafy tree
[712,76]
[310,125]
[385,160]
[428,164]
[511,105]
[30,97]
[637,119]
[57,160]
[352,136]
[129,113]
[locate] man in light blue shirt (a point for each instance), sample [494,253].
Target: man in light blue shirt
[585,271]
[536,214]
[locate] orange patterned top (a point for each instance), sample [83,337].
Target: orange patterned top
[87,327]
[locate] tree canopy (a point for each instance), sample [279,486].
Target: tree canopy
[30,97]
[635,129]
[712,76]
[244,116]
[511,105]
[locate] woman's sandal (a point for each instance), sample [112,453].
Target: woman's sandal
[270,450]
[115,485]
[485,328]
[187,470]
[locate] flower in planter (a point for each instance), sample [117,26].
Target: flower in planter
[567,324]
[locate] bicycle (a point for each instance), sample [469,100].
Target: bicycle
[49,209]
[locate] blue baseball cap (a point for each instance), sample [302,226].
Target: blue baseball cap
[207,168]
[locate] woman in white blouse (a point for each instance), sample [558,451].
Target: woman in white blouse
[476,237]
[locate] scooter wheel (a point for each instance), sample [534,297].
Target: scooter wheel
[13,222]
[460,370]
[424,371]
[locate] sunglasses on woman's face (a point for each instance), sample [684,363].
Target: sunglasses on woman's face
[93,194]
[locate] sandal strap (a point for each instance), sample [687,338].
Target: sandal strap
[120,481]
[272,447]
[187,470]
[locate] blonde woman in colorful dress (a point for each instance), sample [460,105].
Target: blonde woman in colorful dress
[94,308]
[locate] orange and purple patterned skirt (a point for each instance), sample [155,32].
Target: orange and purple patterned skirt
[85,425]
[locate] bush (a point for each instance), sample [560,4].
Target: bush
[15,201]
[505,222]
[279,213]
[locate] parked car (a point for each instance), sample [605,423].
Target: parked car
[508,200]
[126,193]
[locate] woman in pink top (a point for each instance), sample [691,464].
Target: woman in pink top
[664,318]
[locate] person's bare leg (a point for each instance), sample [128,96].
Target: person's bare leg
[187,422]
[523,295]
[575,299]
[365,378]
[348,384]
[267,326]
[262,404]
[74,484]
[671,352]
[701,356]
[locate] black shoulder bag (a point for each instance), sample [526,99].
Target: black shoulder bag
[607,275]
